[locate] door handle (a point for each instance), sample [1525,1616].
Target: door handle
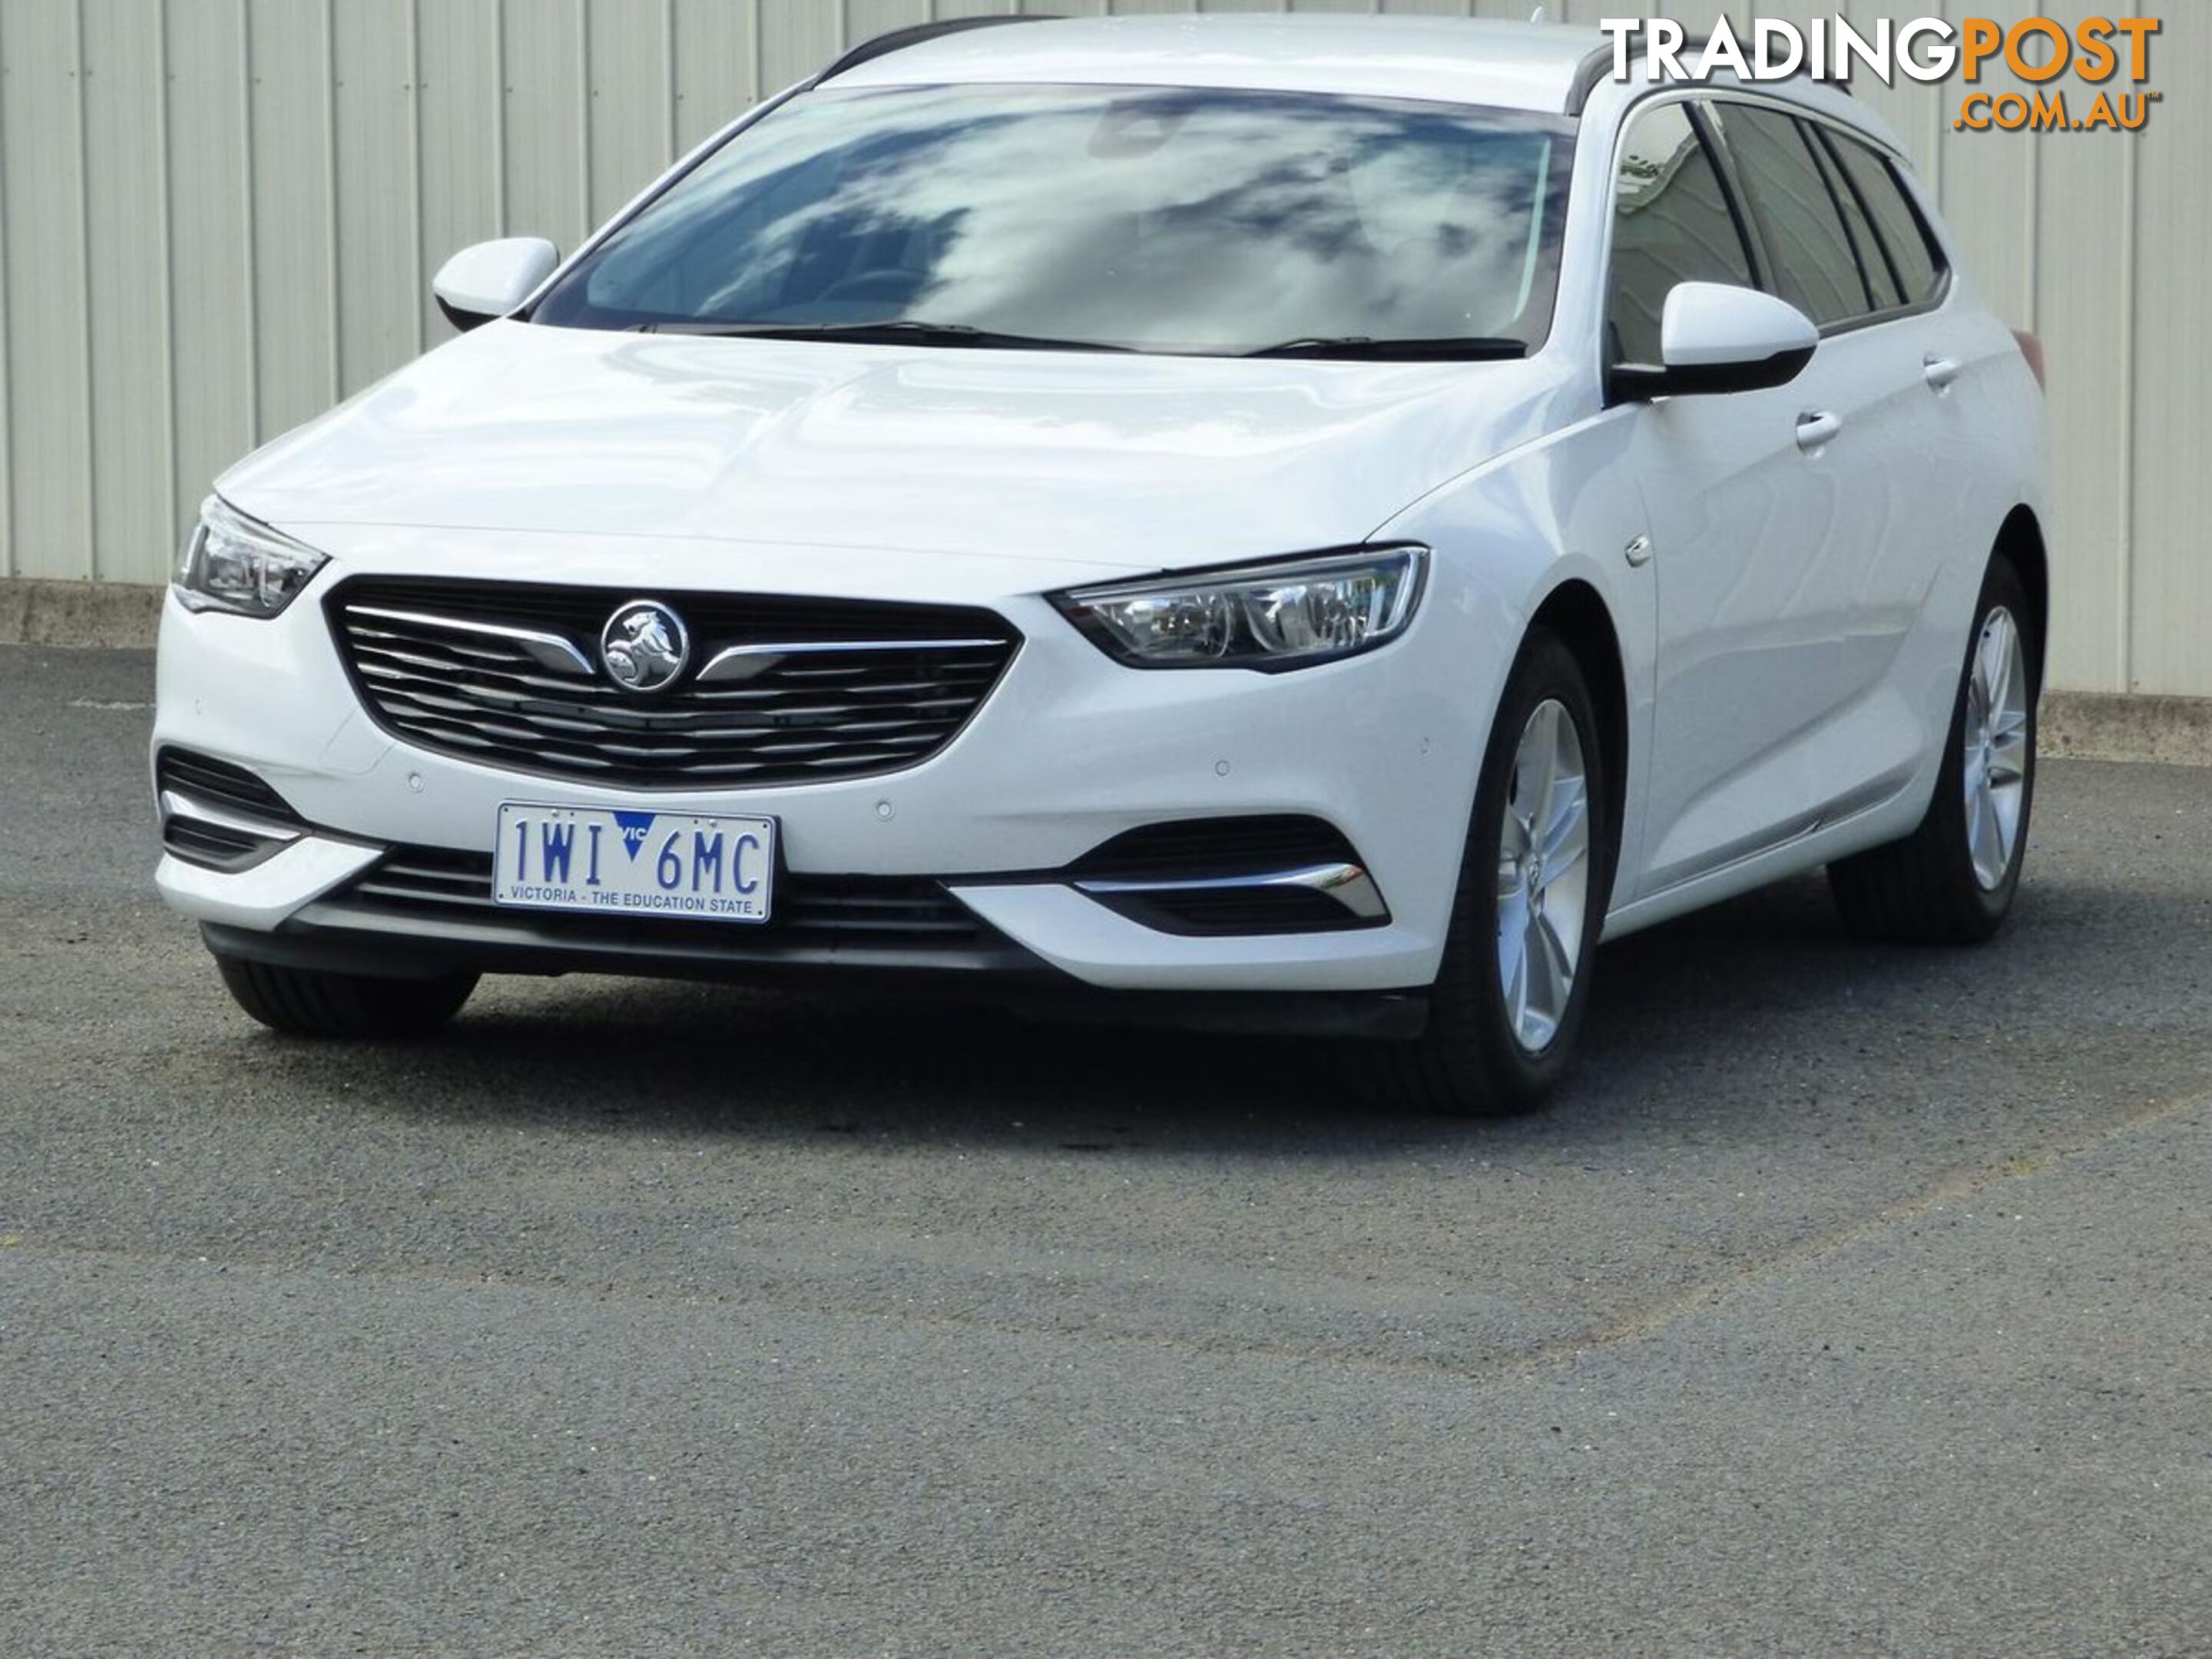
[1815,427]
[1938,372]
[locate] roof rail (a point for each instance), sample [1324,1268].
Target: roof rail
[1598,66]
[915,34]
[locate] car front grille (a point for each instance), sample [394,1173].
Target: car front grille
[508,673]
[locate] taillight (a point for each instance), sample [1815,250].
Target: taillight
[2032,349]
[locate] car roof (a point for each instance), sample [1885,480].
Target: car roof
[1543,68]
[1504,65]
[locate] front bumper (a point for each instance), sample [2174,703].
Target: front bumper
[1069,751]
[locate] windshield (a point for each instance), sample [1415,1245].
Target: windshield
[1155,219]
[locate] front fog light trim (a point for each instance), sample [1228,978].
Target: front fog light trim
[238,565]
[1281,615]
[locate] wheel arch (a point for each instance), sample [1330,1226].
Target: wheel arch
[1576,613]
[2020,544]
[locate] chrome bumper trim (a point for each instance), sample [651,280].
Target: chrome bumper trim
[1349,884]
[176,804]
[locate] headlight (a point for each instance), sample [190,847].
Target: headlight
[232,563]
[1268,617]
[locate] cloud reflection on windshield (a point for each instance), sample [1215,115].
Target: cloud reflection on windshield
[1180,220]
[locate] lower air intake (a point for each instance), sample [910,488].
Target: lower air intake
[1285,874]
[218,815]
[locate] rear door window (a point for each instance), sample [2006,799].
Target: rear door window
[1912,252]
[1815,268]
[1873,263]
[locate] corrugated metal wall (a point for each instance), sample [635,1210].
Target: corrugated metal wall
[217,218]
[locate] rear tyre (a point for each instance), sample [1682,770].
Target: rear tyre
[1953,880]
[302,1002]
[1508,998]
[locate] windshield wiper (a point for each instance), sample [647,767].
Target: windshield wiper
[915,330]
[1362,347]
[895,330]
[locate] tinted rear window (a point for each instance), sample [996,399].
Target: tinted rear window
[1873,263]
[1911,251]
[1814,268]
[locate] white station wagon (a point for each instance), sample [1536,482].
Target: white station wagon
[1285,522]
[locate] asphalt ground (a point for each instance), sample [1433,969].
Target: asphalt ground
[1852,1300]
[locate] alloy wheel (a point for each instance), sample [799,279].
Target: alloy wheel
[1543,876]
[1996,748]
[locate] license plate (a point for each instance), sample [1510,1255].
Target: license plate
[634,863]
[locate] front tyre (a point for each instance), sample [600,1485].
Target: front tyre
[1953,880]
[1509,996]
[304,1002]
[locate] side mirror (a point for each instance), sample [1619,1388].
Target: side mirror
[1715,336]
[491,279]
